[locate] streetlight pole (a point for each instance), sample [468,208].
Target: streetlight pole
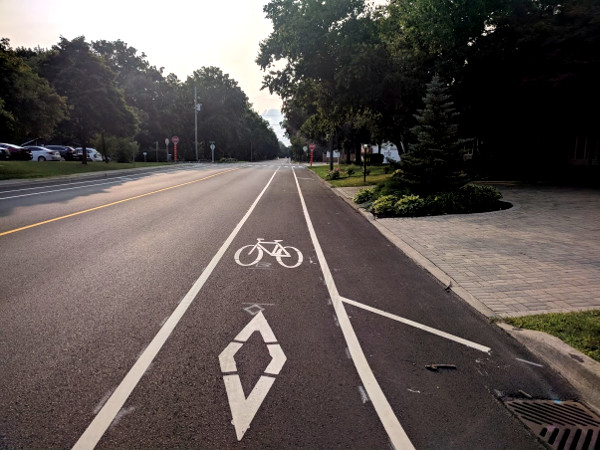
[197,108]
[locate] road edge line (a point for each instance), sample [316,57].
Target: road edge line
[390,422]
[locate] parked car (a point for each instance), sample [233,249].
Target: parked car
[65,151]
[17,152]
[92,154]
[4,153]
[40,154]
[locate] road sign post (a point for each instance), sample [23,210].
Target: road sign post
[175,141]
[212,149]
[312,150]
[167,148]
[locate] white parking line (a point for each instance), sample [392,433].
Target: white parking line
[388,419]
[111,408]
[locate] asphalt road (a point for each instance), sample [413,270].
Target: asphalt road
[131,316]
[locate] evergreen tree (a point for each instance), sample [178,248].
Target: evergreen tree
[435,161]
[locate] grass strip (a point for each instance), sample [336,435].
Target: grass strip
[376,175]
[581,330]
[33,169]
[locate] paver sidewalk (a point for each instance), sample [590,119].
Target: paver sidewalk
[542,255]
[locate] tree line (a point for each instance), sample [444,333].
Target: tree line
[106,95]
[523,74]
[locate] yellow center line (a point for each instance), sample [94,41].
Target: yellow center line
[113,203]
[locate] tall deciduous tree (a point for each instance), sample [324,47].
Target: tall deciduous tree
[96,104]
[29,106]
[323,46]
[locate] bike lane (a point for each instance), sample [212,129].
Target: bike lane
[444,370]
[257,360]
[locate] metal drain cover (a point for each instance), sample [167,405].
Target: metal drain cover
[561,425]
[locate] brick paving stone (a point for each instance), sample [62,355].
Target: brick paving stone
[541,255]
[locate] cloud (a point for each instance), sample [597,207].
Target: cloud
[275,117]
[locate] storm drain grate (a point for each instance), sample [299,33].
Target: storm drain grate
[562,425]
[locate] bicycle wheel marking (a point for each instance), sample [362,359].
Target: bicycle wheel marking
[252,254]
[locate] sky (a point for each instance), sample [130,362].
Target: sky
[179,35]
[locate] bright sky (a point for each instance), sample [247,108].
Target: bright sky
[179,35]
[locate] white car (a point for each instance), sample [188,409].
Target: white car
[43,153]
[92,154]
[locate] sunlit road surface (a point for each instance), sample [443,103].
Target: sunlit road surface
[237,306]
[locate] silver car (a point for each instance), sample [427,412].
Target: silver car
[43,153]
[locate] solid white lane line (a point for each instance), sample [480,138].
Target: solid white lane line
[111,408]
[390,422]
[451,337]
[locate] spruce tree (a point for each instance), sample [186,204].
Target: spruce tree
[435,160]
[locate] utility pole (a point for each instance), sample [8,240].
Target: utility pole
[197,108]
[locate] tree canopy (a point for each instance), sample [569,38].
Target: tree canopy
[29,106]
[520,72]
[108,95]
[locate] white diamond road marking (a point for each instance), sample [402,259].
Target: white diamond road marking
[254,309]
[243,409]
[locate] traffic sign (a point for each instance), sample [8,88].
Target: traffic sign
[175,140]
[312,147]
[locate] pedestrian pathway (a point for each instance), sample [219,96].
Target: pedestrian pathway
[542,255]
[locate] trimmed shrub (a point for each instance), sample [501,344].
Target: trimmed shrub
[364,196]
[385,205]
[443,203]
[478,198]
[409,205]
[334,174]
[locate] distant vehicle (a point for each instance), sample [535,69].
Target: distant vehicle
[92,154]
[17,152]
[65,151]
[40,154]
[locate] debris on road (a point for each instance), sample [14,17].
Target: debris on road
[435,367]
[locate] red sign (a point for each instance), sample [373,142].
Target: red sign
[312,147]
[175,140]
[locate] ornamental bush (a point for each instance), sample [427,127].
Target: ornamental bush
[364,195]
[385,205]
[334,174]
[478,198]
[409,205]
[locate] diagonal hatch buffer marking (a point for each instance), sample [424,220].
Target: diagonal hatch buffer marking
[243,409]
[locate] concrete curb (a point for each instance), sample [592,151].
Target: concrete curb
[577,368]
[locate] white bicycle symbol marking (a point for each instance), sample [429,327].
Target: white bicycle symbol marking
[251,254]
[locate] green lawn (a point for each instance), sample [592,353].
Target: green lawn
[34,169]
[581,330]
[377,175]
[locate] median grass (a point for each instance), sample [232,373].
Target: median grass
[581,330]
[33,169]
[376,175]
